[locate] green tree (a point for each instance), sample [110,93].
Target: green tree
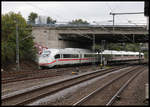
[126,47]
[79,21]
[8,42]
[32,17]
[133,47]
[50,20]
[115,46]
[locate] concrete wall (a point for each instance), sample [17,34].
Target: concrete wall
[50,38]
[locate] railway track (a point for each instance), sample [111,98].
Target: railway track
[27,76]
[103,96]
[30,75]
[37,75]
[37,92]
[5,81]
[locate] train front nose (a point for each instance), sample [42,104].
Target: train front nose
[46,59]
[43,61]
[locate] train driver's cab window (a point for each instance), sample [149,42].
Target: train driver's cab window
[57,56]
[46,53]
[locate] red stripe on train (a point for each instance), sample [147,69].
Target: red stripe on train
[63,60]
[72,59]
[47,63]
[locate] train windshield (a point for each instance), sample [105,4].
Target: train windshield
[46,53]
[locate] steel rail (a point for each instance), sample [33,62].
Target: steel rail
[28,78]
[101,88]
[15,79]
[75,80]
[5,81]
[111,101]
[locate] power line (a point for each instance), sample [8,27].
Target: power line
[102,26]
[125,13]
[113,14]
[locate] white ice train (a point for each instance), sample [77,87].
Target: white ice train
[53,57]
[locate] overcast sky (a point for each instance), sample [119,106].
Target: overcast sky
[89,11]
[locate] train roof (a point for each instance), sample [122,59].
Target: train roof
[79,50]
[68,51]
[120,52]
[74,50]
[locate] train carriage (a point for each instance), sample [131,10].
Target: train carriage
[67,56]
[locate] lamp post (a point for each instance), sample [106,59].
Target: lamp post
[140,53]
[113,20]
[102,49]
[17,47]
[94,46]
[101,58]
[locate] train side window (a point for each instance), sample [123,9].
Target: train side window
[66,55]
[90,55]
[86,55]
[74,55]
[70,55]
[57,56]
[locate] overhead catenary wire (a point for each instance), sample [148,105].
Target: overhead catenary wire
[124,14]
[114,33]
[111,11]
